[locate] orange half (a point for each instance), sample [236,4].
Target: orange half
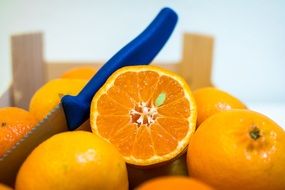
[147,112]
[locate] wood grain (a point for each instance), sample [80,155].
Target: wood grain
[31,70]
[27,66]
[196,64]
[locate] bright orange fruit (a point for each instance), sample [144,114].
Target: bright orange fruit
[83,72]
[174,182]
[50,94]
[73,161]
[147,112]
[14,124]
[211,100]
[238,149]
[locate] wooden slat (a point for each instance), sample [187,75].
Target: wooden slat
[56,69]
[30,71]
[196,63]
[28,67]
[5,98]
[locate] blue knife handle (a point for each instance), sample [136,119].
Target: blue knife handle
[139,51]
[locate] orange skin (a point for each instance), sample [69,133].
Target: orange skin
[84,72]
[238,149]
[50,94]
[211,100]
[174,182]
[73,161]
[14,124]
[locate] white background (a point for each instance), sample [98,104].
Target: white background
[249,56]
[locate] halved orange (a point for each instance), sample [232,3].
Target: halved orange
[147,112]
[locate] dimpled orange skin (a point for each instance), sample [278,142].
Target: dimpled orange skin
[211,100]
[50,94]
[238,150]
[75,160]
[14,124]
[174,182]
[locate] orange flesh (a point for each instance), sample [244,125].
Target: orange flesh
[143,135]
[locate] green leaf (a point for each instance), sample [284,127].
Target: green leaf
[160,99]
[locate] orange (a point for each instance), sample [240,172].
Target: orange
[147,112]
[14,124]
[73,161]
[4,187]
[238,149]
[211,100]
[174,182]
[83,72]
[50,94]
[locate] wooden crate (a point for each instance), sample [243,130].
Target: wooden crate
[31,70]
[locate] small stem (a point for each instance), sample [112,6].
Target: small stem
[255,133]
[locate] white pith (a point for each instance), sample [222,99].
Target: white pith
[147,112]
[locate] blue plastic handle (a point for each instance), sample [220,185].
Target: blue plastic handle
[139,51]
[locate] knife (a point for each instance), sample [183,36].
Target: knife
[74,110]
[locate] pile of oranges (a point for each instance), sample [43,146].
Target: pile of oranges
[149,131]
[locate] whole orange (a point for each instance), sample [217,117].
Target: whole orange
[14,124]
[238,149]
[50,94]
[73,161]
[174,182]
[84,72]
[211,100]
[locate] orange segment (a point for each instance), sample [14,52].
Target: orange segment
[122,138]
[142,148]
[108,106]
[147,84]
[110,124]
[176,127]
[177,109]
[128,83]
[147,112]
[171,87]
[163,141]
[121,97]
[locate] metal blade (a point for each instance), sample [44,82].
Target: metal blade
[10,162]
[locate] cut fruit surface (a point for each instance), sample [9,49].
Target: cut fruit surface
[147,112]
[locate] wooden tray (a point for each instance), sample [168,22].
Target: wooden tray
[31,70]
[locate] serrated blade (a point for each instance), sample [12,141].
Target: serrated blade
[11,161]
